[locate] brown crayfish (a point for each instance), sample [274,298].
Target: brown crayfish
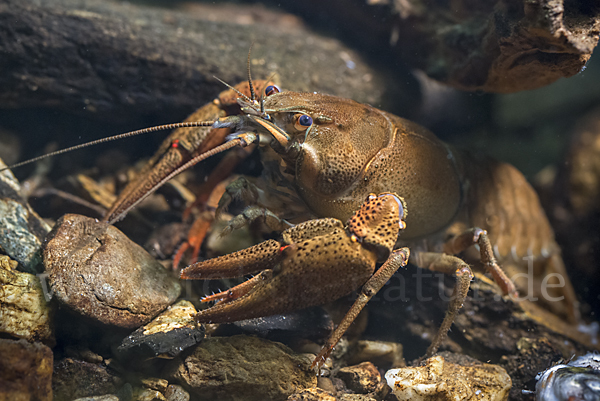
[323,156]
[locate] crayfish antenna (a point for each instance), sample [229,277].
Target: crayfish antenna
[254,104]
[248,105]
[113,138]
[240,140]
[251,85]
[262,98]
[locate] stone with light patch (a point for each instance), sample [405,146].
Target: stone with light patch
[167,335]
[440,380]
[24,309]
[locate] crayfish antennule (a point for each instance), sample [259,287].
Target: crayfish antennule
[234,89]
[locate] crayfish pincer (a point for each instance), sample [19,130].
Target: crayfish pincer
[316,262]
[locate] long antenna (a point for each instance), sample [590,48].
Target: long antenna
[190,124]
[242,140]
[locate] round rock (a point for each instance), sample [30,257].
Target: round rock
[96,271]
[243,368]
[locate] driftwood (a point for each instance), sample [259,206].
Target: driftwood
[494,46]
[503,46]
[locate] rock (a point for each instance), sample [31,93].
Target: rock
[25,371]
[76,379]
[24,311]
[96,271]
[317,394]
[312,394]
[441,380]
[99,398]
[363,378]
[168,334]
[147,60]
[243,367]
[21,229]
[154,383]
[83,354]
[310,323]
[381,353]
[149,395]
[534,356]
[176,393]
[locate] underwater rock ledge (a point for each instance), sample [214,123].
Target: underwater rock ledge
[121,61]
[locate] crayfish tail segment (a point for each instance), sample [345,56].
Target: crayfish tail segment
[247,261]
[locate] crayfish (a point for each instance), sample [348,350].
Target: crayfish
[323,156]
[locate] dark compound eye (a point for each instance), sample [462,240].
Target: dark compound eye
[271,89]
[305,121]
[302,122]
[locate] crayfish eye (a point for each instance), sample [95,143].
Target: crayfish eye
[303,122]
[271,89]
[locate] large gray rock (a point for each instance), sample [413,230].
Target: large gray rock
[21,229]
[114,60]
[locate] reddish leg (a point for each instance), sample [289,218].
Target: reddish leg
[447,264]
[480,237]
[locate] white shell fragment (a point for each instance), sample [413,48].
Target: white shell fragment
[441,380]
[577,380]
